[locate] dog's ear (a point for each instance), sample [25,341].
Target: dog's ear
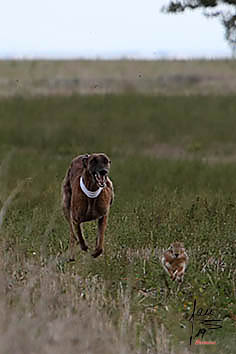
[85,160]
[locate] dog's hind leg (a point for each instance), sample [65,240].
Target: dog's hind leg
[102,223]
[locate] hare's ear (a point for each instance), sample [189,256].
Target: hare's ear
[85,160]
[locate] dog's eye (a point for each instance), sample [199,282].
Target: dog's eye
[105,161]
[94,160]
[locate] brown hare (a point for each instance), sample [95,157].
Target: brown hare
[174,261]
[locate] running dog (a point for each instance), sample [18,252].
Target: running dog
[87,195]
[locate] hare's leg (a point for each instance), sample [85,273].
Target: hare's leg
[180,274]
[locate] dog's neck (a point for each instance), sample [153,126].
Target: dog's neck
[89,189]
[89,181]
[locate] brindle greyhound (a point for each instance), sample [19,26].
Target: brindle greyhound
[87,195]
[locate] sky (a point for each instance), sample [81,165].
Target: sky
[106,29]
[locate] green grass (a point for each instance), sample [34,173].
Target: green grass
[118,123]
[190,198]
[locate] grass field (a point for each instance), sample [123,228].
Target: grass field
[173,169]
[165,77]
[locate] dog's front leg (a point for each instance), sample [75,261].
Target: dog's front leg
[102,223]
[77,235]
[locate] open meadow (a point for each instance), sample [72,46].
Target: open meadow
[174,173]
[162,77]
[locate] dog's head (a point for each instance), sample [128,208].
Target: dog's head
[98,166]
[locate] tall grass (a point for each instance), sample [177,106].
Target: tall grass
[123,124]
[44,310]
[121,302]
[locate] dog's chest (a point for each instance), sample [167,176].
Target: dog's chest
[94,209]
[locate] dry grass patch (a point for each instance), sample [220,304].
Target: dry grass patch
[32,78]
[46,311]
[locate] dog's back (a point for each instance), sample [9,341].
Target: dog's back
[75,170]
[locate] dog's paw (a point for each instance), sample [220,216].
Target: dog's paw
[84,247]
[97,253]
